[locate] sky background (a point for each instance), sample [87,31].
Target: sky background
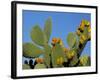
[62,24]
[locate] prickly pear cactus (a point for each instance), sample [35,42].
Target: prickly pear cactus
[56,54]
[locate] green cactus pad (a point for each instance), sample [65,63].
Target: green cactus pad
[71,39]
[57,53]
[37,35]
[39,66]
[31,50]
[26,66]
[47,52]
[48,28]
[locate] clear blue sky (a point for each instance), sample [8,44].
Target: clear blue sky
[62,24]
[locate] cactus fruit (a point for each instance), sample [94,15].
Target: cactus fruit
[57,41]
[54,41]
[39,60]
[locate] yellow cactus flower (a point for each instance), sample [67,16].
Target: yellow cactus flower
[89,29]
[83,60]
[66,50]
[88,23]
[60,42]
[81,41]
[82,23]
[71,54]
[78,32]
[83,37]
[60,60]
[81,28]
